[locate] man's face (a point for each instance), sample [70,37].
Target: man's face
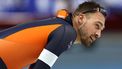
[91,29]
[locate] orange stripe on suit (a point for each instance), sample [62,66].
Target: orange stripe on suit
[23,47]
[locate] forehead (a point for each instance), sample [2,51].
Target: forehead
[98,17]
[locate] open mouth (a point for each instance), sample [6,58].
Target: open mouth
[91,39]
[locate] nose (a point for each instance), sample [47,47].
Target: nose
[98,34]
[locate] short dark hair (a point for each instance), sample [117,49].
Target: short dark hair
[89,7]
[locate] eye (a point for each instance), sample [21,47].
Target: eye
[97,26]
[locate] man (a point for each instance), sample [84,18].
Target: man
[88,21]
[40,43]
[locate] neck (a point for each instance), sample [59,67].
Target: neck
[77,41]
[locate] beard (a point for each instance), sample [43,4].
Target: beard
[85,38]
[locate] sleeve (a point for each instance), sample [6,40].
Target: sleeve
[58,42]
[2,64]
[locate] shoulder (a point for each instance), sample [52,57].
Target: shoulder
[64,32]
[60,39]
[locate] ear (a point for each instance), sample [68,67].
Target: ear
[81,19]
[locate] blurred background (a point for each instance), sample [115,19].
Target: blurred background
[106,52]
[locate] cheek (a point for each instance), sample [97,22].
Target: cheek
[84,32]
[90,30]
[90,27]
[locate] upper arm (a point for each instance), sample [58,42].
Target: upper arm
[60,38]
[57,43]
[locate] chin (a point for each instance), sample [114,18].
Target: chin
[87,44]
